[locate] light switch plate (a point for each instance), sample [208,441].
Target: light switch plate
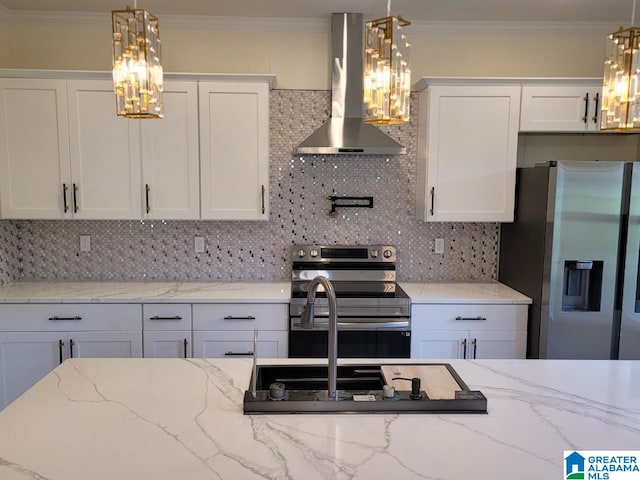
[199,244]
[438,247]
[85,243]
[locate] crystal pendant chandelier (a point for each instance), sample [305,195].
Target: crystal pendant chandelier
[137,71]
[620,89]
[387,76]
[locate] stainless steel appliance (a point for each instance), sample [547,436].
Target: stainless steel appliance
[573,249]
[345,132]
[374,313]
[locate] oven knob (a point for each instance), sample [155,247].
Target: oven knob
[387,254]
[374,253]
[313,253]
[301,253]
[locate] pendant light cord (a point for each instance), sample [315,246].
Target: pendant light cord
[633,13]
[389,7]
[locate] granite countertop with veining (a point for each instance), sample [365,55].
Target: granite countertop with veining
[245,292]
[182,419]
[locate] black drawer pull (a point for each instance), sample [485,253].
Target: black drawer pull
[156,317]
[231,317]
[65,318]
[238,354]
[472,318]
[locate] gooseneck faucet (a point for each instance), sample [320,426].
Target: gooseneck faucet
[307,319]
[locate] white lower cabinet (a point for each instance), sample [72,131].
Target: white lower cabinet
[469,331]
[167,330]
[34,339]
[226,330]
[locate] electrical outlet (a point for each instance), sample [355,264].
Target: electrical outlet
[199,244]
[85,243]
[439,246]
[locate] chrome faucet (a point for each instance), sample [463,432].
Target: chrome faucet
[306,321]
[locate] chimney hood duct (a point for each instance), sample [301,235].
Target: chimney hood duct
[345,133]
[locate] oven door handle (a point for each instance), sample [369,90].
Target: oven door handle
[320,325]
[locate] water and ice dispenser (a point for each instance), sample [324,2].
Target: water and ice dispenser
[582,286]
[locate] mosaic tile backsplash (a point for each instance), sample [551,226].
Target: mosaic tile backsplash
[251,251]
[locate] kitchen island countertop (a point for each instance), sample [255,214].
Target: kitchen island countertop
[173,418]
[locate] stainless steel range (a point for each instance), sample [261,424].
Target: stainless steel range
[374,313]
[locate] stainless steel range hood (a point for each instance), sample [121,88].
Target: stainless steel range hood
[345,133]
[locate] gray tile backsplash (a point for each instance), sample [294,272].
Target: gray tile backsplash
[156,250]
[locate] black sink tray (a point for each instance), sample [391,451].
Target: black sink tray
[359,391]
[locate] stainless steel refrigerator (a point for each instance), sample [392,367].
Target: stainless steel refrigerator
[573,248]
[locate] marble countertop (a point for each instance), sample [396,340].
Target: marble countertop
[490,292]
[172,418]
[145,292]
[246,292]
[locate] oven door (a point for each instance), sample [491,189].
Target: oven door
[356,339]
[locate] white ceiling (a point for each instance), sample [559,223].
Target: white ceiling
[614,11]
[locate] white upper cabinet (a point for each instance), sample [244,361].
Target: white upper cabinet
[105,154]
[34,149]
[234,150]
[170,168]
[561,108]
[467,152]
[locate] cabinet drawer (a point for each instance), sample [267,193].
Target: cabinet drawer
[164,317]
[234,316]
[60,317]
[469,317]
[239,344]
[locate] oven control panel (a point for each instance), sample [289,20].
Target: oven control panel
[343,253]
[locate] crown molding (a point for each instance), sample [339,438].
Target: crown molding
[280,24]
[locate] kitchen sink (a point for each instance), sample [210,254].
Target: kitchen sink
[365,388]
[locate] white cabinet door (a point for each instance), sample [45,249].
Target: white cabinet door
[437,345]
[170,164]
[105,344]
[26,357]
[467,151]
[34,149]
[560,108]
[234,150]
[167,344]
[496,344]
[105,154]
[238,344]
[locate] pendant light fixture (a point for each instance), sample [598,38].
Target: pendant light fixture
[137,71]
[620,89]
[387,76]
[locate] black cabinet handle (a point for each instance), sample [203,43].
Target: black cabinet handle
[60,345]
[156,317]
[75,198]
[474,342]
[64,197]
[433,195]
[586,108]
[55,318]
[464,348]
[263,199]
[595,110]
[146,197]
[185,343]
[71,344]
[230,317]
[481,319]
[238,354]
